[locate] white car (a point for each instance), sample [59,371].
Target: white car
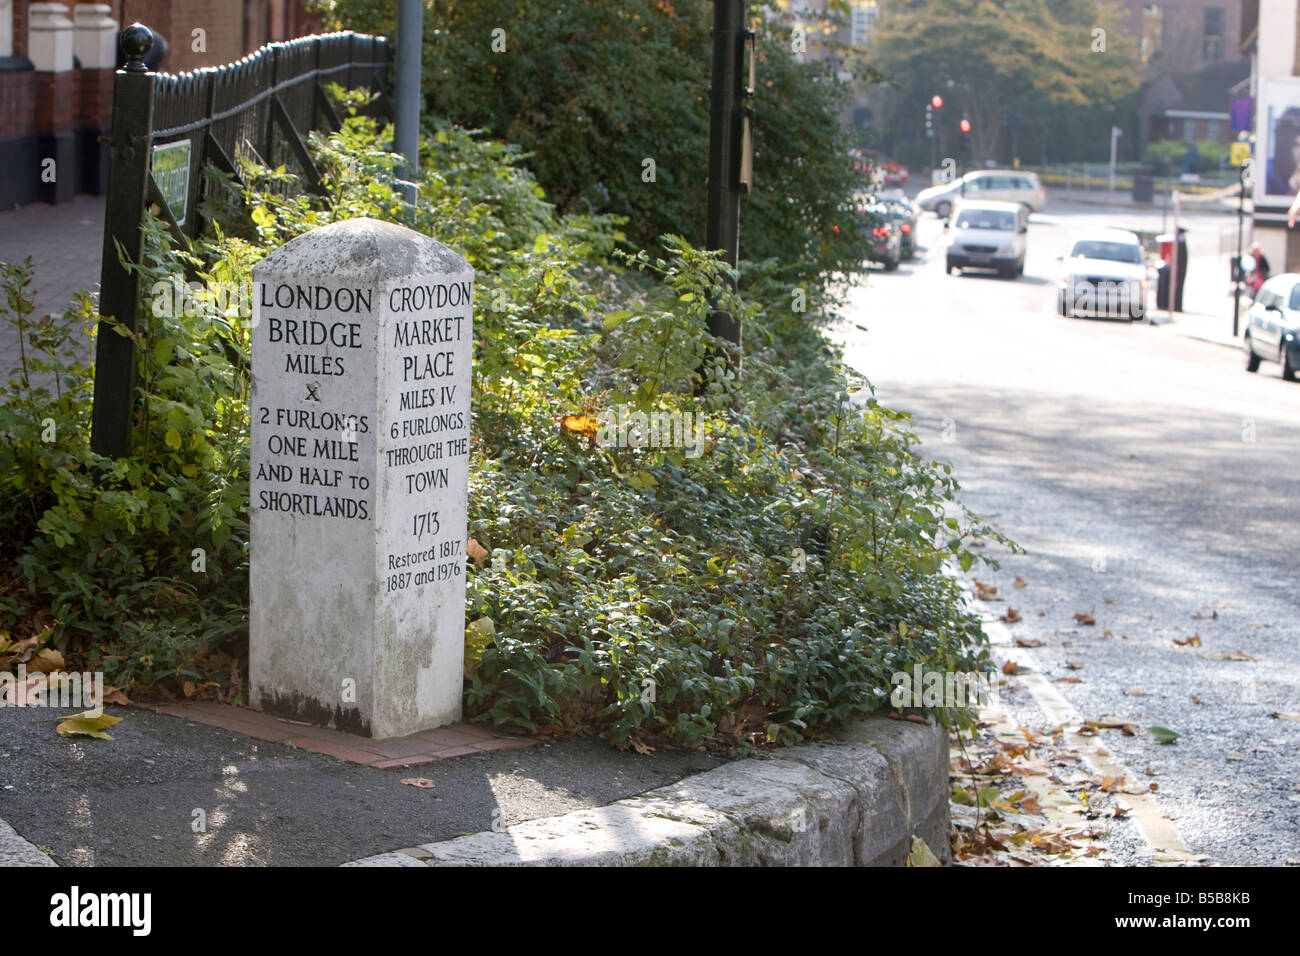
[1005,185]
[989,235]
[1104,274]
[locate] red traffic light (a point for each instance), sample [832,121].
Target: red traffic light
[936,101]
[965,126]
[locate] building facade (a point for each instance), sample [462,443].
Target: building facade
[1269,40]
[57,62]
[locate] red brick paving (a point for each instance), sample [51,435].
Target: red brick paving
[443,743]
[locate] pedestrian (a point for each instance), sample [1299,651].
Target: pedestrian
[1259,274]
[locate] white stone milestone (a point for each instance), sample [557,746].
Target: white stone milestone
[361,349]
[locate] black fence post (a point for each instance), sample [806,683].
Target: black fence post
[725,129]
[119,290]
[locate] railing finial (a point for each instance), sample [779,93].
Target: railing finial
[136,41]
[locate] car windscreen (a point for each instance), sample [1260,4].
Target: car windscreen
[987,219]
[1100,249]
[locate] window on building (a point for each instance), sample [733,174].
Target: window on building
[1153,31]
[1189,131]
[1212,128]
[864,14]
[6,28]
[1212,47]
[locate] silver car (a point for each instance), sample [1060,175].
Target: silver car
[1001,185]
[1104,274]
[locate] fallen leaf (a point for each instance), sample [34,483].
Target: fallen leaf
[1193,641]
[984,591]
[1135,691]
[115,695]
[424,783]
[46,661]
[1235,755]
[643,749]
[1028,642]
[1083,618]
[1020,582]
[1009,667]
[1074,665]
[582,425]
[85,725]
[919,719]
[1067,680]
[1277,715]
[476,551]
[1233,656]
[1163,735]
[1011,616]
[921,854]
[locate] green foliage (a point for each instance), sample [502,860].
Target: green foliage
[1168,156]
[595,88]
[104,548]
[751,588]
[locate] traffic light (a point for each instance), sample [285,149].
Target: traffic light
[936,101]
[964,126]
[929,121]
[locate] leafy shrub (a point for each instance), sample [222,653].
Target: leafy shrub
[752,593]
[1168,156]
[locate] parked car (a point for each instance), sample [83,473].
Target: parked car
[1104,274]
[887,171]
[1273,325]
[989,235]
[903,215]
[879,220]
[1005,185]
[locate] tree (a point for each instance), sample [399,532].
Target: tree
[1000,53]
[610,100]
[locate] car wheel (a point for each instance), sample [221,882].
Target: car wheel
[943,209]
[1020,267]
[891,264]
[1139,316]
[1288,370]
[1252,360]
[952,268]
[1064,307]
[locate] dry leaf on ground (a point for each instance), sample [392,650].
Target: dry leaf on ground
[85,724]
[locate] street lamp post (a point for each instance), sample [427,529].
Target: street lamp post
[406,125]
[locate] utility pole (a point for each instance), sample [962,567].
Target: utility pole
[1236,271]
[406,121]
[728,122]
[1115,134]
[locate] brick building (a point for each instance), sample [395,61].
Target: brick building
[56,77]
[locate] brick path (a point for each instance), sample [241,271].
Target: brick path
[445,743]
[64,242]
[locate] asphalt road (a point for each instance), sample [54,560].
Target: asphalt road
[1153,483]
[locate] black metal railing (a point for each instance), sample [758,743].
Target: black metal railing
[168,129]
